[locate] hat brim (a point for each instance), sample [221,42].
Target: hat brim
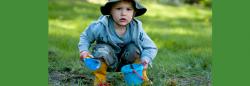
[139,9]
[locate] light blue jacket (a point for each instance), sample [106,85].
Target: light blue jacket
[99,31]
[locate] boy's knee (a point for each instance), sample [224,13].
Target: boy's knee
[105,52]
[131,53]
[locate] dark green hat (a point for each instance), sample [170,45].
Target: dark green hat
[139,9]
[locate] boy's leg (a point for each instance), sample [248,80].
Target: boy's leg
[103,53]
[131,54]
[106,53]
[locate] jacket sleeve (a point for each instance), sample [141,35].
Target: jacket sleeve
[149,49]
[87,37]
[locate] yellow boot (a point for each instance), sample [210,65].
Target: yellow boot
[100,75]
[146,81]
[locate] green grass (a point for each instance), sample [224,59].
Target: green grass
[183,35]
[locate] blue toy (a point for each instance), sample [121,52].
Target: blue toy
[92,64]
[133,74]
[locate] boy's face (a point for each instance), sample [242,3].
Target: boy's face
[122,13]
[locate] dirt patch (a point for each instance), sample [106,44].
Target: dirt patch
[58,78]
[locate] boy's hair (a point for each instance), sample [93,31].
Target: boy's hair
[139,9]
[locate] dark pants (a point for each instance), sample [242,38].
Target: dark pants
[128,55]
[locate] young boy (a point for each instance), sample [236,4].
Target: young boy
[119,39]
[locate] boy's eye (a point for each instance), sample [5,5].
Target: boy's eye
[118,8]
[129,9]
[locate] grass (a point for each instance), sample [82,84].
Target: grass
[183,35]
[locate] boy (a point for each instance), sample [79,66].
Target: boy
[120,39]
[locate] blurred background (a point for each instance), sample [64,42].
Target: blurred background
[182,30]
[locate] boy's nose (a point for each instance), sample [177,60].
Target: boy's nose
[123,12]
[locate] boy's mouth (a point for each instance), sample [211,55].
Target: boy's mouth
[123,20]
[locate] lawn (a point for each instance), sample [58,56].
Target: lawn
[183,35]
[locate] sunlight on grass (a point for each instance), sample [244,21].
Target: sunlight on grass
[70,27]
[165,11]
[176,31]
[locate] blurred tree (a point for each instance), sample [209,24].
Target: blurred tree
[206,3]
[192,1]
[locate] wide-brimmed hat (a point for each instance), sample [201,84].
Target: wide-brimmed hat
[139,9]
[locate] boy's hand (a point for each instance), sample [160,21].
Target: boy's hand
[84,54]
[145,62]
